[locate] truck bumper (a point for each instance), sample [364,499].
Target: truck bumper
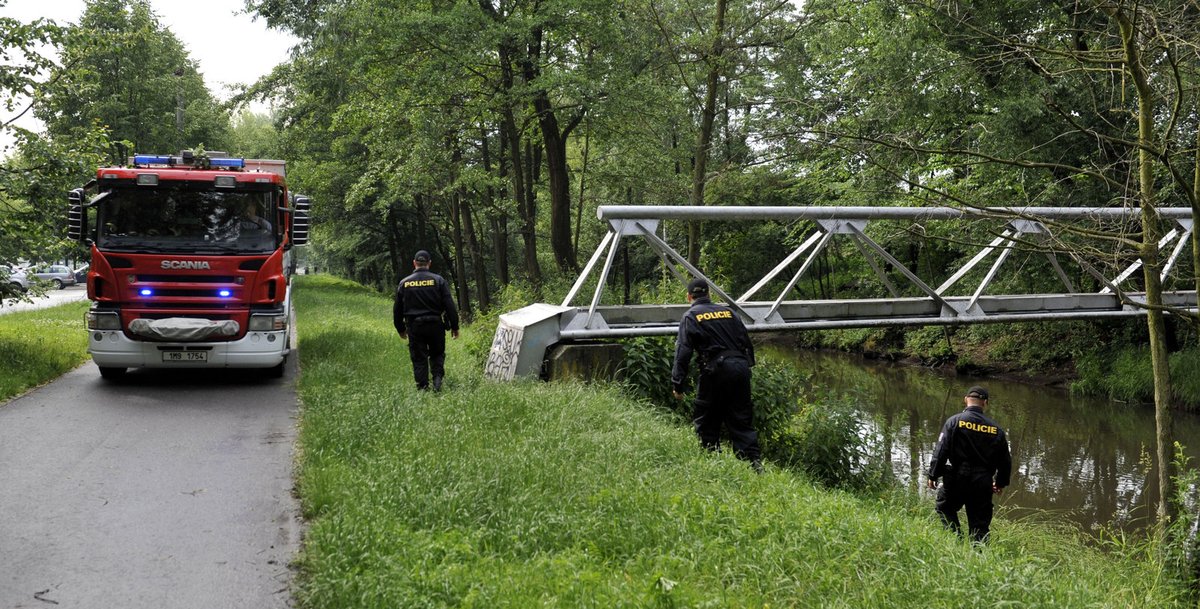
[111,348]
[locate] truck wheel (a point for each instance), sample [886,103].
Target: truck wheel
[112,373]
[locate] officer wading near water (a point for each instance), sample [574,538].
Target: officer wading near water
[972,459]
[422,312]
[722,345]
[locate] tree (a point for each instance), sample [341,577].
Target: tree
[36,172]
[1026,102]
[126,73]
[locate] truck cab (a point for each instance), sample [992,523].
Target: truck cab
[192,258]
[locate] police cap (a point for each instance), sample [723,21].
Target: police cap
[978,392]
[421,256]
[698,287]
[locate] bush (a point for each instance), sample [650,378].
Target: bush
[646,372]
[1127,374]
[827,440]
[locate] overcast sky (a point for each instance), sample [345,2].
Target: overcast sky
[212,31]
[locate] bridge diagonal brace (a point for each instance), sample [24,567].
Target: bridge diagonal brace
[1109,287]
[1137,264]
[904,271]
[587,269]
[870,258]
[665,248]
[991,274]
[966,268]
[1062,275]
[782,265]
[825,237]
[1183,240]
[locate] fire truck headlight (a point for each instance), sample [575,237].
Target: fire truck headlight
[268,323]
[103,321]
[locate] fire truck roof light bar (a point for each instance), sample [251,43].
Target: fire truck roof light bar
[171,161]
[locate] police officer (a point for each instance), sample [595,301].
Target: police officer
[972,459]
[422,311]
[719,339]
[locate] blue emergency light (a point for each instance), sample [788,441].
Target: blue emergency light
[187,160]
[223,293]
[146,292]
[153,159]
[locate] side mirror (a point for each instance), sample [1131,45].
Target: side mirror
[300,224]
[76,215]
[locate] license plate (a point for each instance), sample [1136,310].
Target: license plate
[185,356]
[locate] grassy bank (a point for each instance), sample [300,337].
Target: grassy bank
[39,345]
[562,495]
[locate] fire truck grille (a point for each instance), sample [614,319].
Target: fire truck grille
[185,279]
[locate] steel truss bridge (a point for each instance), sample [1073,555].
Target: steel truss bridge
[524,335]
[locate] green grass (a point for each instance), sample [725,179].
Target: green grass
[40,345]
[528,494]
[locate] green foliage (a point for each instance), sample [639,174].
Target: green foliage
[1180,544]
[646,372]
[126,73]
[38,346]
[530,494]
[827,440]
[822,437]
[1124,373]
[37,171]
[930,343]
[511,297]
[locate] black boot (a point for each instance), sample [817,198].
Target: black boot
[437,383]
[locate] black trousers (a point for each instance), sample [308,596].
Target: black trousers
[723,400]
[974,492]
[427,350]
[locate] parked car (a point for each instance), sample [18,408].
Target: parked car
[59,275]
[16,277]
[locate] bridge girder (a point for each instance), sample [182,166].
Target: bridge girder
[936,306]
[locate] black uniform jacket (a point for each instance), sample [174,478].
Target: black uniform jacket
[974,446]
[712,331]
[423,294]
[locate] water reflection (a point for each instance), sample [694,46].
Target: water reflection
[1083,460]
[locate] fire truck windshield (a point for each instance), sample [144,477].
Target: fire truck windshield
[186,218]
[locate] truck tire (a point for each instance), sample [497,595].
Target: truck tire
[112,373]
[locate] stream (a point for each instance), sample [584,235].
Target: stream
[1080,459]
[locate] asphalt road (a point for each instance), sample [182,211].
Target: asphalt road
[168,490]
[52,297]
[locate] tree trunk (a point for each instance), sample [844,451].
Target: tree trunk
[558,184]
[533,160]
[1196,220]
[1151,231]
[497,218]
[554,140]
[477,263]
[704,138]
[394,253]
[460,270]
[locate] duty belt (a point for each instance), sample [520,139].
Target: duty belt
[425,318]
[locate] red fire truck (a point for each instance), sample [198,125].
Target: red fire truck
[192,262]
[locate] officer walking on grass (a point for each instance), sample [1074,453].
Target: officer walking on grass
[972,459]
[722,345]
[421,313]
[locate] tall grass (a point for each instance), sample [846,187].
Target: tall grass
[528,494]
[39,345]
[1125,374]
